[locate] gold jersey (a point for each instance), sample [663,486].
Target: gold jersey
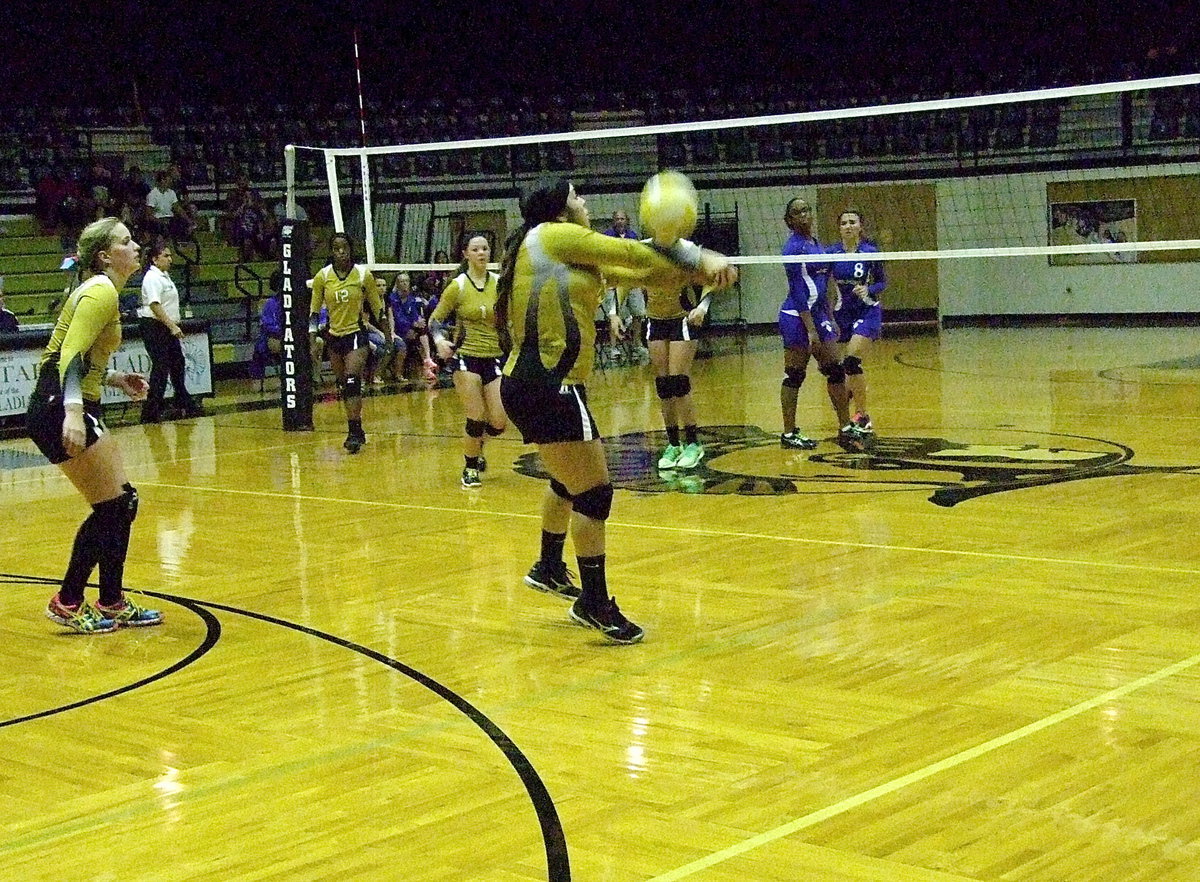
[474,309]
[345,297]
[88,329]
[557,283]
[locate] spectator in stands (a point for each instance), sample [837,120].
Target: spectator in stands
[632,311]
[8,318]
[131,188]
[99,186]
[187,208]
[409,328]
[269,346]
[435,280]
[158,317]
[47,195]
[238,195]
[253,231]
[167,214]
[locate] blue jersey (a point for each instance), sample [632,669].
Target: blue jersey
[806,283]
[406,312]
[628,234]
[857,271]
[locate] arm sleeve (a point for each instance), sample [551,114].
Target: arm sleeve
[570,243]
[93,313]
[318,293]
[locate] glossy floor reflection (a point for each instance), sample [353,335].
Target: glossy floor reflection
[970,654]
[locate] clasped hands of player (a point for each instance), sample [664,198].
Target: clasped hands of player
[74,433]
[718,279]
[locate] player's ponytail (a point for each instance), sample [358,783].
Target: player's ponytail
[545,202]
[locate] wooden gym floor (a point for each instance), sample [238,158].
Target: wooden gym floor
[971,655]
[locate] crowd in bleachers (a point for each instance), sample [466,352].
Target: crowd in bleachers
[212,144]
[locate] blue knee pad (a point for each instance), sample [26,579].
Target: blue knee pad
[662,385]
[853,365]
[595,503]
[793,378]
[560,490]
[834,373]
[475,428]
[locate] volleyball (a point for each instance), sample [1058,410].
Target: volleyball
[668,208]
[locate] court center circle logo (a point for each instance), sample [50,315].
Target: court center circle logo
[748,461]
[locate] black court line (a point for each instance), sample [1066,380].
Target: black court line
[558,864]
[211,636]
[557,860]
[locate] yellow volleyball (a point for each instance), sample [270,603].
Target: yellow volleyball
[669,207]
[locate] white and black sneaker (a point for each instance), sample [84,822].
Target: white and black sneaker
[795,441]
[607,619]
[553,579]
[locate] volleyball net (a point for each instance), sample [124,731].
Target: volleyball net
[982,204]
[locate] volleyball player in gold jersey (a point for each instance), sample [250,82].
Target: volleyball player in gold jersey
[474,355]
[550,285]
[66,423]
[672,317]
[344,287]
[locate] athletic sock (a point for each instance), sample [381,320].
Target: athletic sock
[552,547]
[592,582]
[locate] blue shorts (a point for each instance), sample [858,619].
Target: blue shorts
[795,335]
[867,322]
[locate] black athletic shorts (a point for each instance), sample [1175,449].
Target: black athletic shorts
[676,329]
[486,367]
[44,421]
[345,345]
[548,414]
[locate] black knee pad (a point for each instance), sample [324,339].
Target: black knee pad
[853,365]
[681,385]
[560,490]
[662,385]
[475,428]
[834,373]
[351,388]
[595,503]
[793,378]
[493,430]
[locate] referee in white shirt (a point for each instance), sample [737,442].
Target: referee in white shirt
[158,317]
